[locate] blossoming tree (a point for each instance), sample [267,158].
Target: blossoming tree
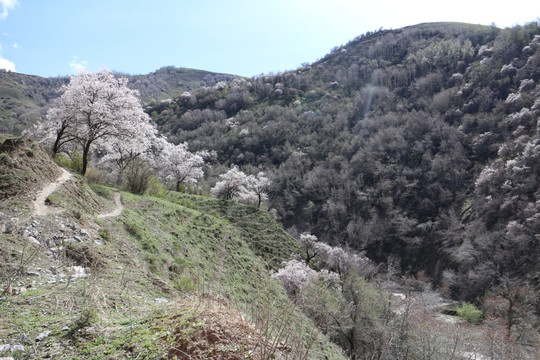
[180,165]
[232,183]
[95,108]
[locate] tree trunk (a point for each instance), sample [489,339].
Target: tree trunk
[85,157]
[509,319]
[56,145]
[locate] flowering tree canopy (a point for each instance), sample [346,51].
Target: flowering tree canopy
[247,188]
[334,258]
[95,108]
[296,275]
[120,152]
[232,183]
[257,185]
[181,166]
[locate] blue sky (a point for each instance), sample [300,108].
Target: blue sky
[244,37]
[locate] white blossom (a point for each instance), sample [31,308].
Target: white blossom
[485,50]
[178,165]
[231,122]
[485,177]
[94,108]
[220,85]
[507,69]
[334,258]
[232,184]
[512,97]
[294,276]
[526,84]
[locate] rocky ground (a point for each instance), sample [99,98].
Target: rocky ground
[56,250]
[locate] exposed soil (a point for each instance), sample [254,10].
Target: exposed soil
[117,211]
[216,331]
[24,167]
[40,205]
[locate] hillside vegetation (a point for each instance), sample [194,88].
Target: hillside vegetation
[24,99]
[406,162]
[182,277]
[420,144]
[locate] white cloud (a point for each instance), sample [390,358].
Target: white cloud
[15,45]
[6,6]
[5,64]
[78,65]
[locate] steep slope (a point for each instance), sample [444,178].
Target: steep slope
[418,143]
[171,277]
[24,168]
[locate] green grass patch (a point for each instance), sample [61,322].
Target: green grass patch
[264,236]
[102,190]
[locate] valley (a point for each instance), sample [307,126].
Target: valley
[382,202]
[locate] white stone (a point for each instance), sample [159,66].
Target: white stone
[43,335]
[33,240]
[17,347]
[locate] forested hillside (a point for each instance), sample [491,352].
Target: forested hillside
[406,163]
[420,144]
[24,99]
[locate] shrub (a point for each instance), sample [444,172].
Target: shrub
[84,254]
[137,176]
[184,283]
[470,313]
[87,317]
[104,234]
[156,188]
[95,175]
[100,190]
[134,229]
[73,162]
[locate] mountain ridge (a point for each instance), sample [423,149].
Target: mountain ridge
[454,79]
[24,99]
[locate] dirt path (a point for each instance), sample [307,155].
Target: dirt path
[118,210]
[40,208]
[39,203]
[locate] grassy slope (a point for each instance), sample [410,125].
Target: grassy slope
[13,94]
[265,237]
[190,250]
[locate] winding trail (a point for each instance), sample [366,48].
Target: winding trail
[40,208]
[117,211]
[39,203]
